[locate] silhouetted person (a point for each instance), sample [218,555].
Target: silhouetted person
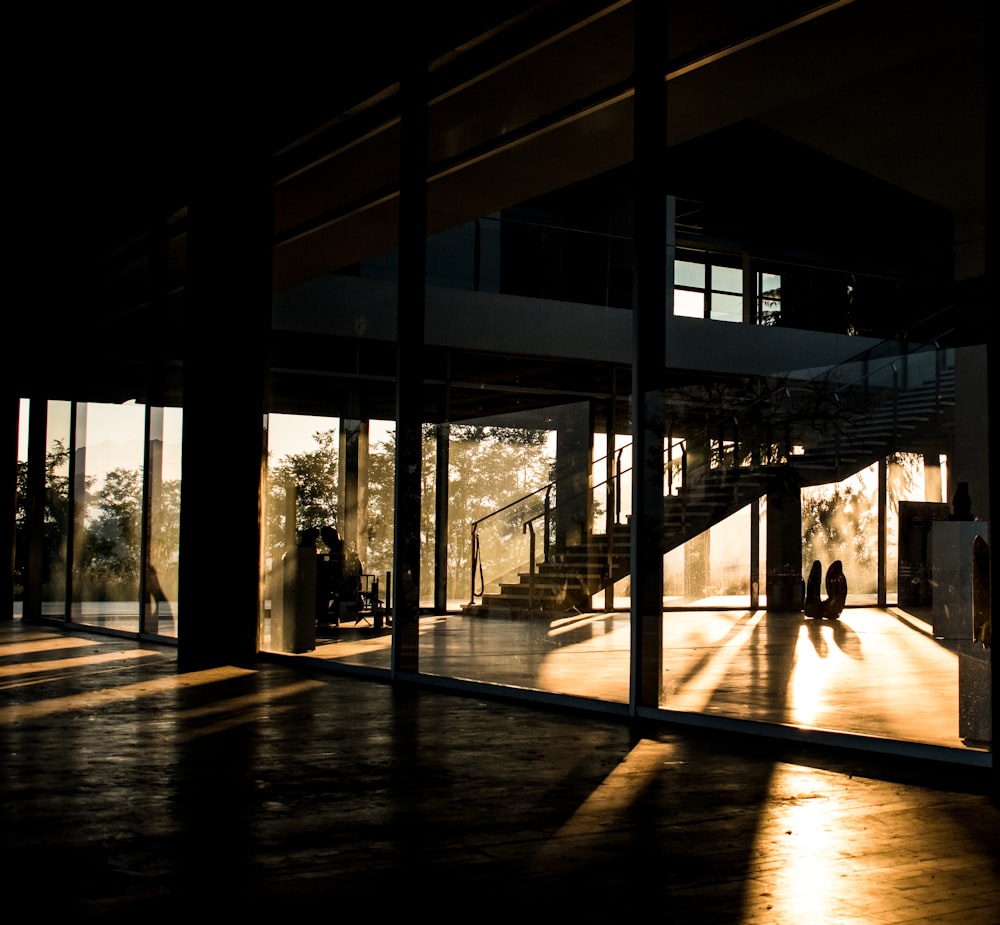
[154,590]
[982,612]
[814,585]
[350,586]
[329,576]
[961,504]
[836,592]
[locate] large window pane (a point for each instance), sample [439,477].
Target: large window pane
[528,526]
[300,499]
[164,485]
[57,517]
[107,484]
[727,307]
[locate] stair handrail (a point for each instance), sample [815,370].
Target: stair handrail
[547,508]
[865,356]
[901,350]
[476,557]
[671,446]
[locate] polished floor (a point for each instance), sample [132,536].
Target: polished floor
[883,676]
[875,673]
[131,789]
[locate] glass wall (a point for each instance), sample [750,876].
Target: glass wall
[105,509]
[107,514]
[812,410]
[898,658]
[163,513]
[531,578]
[58,518]
[328,527]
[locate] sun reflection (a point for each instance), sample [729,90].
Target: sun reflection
[111,695]
[50,665]
[239,711]
[806,681]
[799,844]
[609,801]
[42,643]
[703,671]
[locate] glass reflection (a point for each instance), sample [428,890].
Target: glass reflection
[107,521]
[164,497]
[531,507]
[56,528]
[328,505]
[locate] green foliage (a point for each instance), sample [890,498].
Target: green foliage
[313,477]
[488,467]
[107,541]
[841,524]
[55,521]
[841,521]
[107,553]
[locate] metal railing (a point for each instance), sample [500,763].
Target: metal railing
[820,412]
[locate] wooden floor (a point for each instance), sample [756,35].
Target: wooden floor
[131,789]
[875,673]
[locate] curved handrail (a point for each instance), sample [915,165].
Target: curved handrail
[901,349]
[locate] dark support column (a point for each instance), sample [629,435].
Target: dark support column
[443,433]
[883,507]
[610,494]
[652,264]
[784,585]
[349,479]
[75,528]
[7,545]
[361,527]
[152,491]
[993,444]
[31,610]
[409,356]
[228,317]
[574,452]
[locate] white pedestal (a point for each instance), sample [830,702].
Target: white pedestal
[293,607]
[951,564]
[975,692]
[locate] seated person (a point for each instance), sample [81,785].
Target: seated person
[329,575]
[350,585]
[836,592]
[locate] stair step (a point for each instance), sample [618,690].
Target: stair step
[863,435]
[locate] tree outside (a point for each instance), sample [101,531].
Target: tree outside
[840,521]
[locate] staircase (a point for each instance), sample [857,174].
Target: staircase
[832,428]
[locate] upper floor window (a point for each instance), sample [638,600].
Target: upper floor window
[703,289]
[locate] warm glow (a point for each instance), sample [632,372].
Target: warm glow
[50,665]
[809,679]
[707,669]
[800,843]
[573,623]
[238,711]
[125,694]
[43,643]
[608,803]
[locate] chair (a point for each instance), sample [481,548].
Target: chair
[369,604]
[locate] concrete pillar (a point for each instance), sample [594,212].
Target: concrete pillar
[785,587]
[653,256]
[443,446]
[228,318]
[411,306]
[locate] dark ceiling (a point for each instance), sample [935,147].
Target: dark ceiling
[118,113]
[117,117]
